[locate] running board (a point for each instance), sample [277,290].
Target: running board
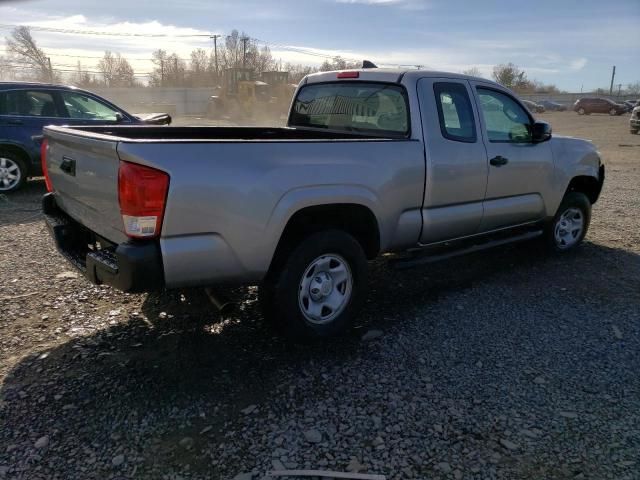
[425,258]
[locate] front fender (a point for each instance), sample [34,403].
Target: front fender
[573,157]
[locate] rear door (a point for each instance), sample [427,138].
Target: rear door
[24,113]
[520,171]
[456,177]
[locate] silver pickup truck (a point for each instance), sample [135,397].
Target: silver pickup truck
[425,164]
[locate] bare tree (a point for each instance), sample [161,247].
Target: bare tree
[633,88]
[511,76]
[23,48]
[472,72]
[116,70]
[199,73]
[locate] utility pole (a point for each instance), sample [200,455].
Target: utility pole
[161,72]
[613,75]
[244,41]
[215,51]
[50,69]
[619,88]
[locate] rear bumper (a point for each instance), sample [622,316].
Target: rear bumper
[130,267]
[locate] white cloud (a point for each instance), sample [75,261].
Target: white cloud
[578,64]
[405,4]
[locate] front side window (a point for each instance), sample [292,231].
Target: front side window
[86,108]
[370,108]
[455,113]
[28,103]
[504,118]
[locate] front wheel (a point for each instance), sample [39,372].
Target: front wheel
[316,290]
[569,226]
[613,112]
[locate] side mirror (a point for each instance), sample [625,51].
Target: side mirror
[119,117]
[540,132]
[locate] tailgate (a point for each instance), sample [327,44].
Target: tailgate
[83,168]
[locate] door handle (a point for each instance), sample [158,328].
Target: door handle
[498,161]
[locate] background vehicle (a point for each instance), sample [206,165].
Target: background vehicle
[374,160]
[589,105]
[634,121]
[533,106]
[631,104]
[552,106]
[25,108]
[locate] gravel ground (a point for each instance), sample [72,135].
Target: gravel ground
[507,364]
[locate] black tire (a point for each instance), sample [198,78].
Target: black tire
[280,292]
[10,161]
[613,112]
[581,111]
[572,201]
[634,132]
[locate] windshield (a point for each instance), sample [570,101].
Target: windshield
[352,107]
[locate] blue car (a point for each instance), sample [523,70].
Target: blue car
[27,107]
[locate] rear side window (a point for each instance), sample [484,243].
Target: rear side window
[360,107]
[455,112]
[30,103]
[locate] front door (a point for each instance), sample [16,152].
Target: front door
[456,160]
[520,171]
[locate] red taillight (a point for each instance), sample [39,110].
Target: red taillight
[348,74]
[142,193]
[43,159]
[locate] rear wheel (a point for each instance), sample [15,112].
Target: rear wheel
[570,224]
[13,172]
[613,112]
[581,111]
[318,288]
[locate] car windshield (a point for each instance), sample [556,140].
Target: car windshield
[360,107]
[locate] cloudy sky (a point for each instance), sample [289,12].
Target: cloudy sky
[568,43]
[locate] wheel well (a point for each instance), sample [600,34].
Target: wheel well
[24,156]
[590,186]
[357,220]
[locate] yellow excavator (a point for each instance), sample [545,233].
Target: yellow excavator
[241,98]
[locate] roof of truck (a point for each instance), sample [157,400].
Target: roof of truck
[390,75]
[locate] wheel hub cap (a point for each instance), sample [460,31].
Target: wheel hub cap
[568,228]
[9,173]
[325,288]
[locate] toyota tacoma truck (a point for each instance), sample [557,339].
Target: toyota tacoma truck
[424,164]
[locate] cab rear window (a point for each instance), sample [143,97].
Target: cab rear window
[359,107]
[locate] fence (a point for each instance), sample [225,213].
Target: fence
[193,101]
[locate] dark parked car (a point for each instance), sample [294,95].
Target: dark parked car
[552,106]
[634,121]
[631,104]
[589,105]
[533,106]
[27,107]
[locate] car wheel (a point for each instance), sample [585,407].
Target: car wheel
[570,224]
[613,112]
[319,287]
[634,131]
[581,111]
[13,172]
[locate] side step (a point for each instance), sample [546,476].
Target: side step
[425,258]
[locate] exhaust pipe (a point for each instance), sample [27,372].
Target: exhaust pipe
[222,303]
